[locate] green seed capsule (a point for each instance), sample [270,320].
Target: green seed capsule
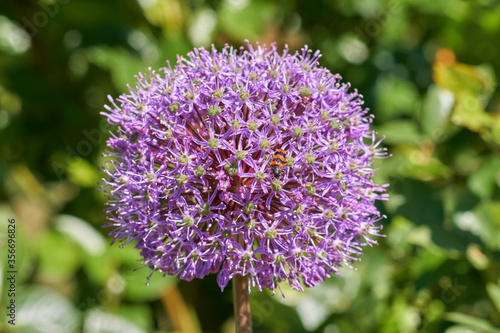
[188,221]
[174,107]
[297,131]
[260,176]
[250,224]
[217,93]
[240,155]
[199,171]
[305,92]
[213,143]
[310,189]
[276,185]
[275,120]
[236,124]
[244,95]
[271,233]
[310,158]
[329,214]
[181,179]
[299,209]
[249,208]
[205,209]
[252,126]
[214,110]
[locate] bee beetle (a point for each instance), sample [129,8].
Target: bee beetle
[279,159]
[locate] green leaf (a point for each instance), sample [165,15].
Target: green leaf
[469,112]
[82,172]
[488,79]
[472,88]
[396,97]
[100,268]
[102,322]
[41,310]
[138,288]
[483,181]
[473,323]
[127,255]
[435,110]
[460,329]
[401,132]
[427,260]
[139,314]
[59,256]
[423,206]
[396,320]
[81,232]
[122,65]
[477,258]
[465,79]
[494,134]
[494,293]
[488,223]
[489,20]
[247,21]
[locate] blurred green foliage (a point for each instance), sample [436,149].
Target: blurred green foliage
[428,71]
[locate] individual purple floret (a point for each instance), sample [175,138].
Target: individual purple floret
[189,176]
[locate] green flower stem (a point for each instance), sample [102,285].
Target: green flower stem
[241,299]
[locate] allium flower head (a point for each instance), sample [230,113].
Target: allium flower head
[190,178]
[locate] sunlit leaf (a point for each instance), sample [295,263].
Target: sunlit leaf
[435,110]
[419,195]
[139,314]
[483,181]
[427,260]
[474,323]
[494,293]
[461,78]
[395,97]
[59,255]
[488,223]
[489,20]
[170,15]
[121,63]
[42,310]
[100,268]
[82,172]
[460,329]
[472,88]
[82,232]
[138,288]
[468,112]
[401,132]
[477,258]
[245,19]
[101,322]
[401,317]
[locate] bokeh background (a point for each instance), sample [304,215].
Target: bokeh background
[428,71]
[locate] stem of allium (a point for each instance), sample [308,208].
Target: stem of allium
[241,299]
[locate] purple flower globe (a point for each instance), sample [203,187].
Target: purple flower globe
[245,161]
